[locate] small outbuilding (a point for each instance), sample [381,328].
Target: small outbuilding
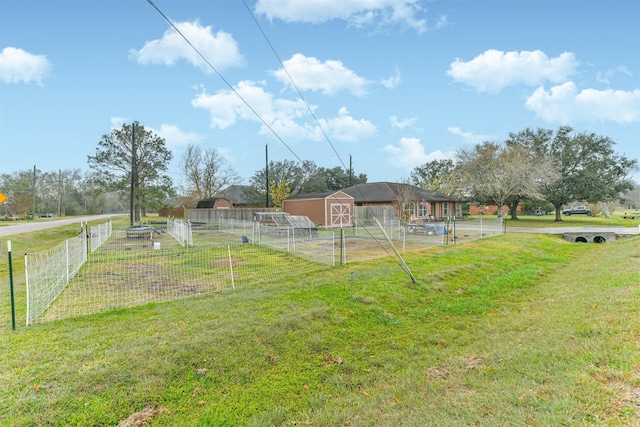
[329,209]
[214,203]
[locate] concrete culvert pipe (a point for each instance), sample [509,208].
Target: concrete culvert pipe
[599,239]
[581,239]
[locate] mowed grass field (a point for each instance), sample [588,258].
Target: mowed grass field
[515,330]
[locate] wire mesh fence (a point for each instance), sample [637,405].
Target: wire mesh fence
[99,234]
[180,230]
[127,272]
[48,273]
[177,259]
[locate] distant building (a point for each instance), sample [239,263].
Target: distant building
[419,204]
[214,203]
[328,209]
[476,208]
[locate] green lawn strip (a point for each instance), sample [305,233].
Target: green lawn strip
[616,219]
[495,332]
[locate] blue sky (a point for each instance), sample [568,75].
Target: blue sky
[392,83]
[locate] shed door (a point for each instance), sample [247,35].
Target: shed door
[340,214]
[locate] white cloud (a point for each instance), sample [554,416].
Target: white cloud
[358,13]
[494,70]
[17,65]
[329,77]
[404,123]
[345,128]
[117,122]
[393,81]
[176,138]
[220,49]
[469,137]
[289,119]
[442,22]
[604,76]
[173,136]
[565,104]
[410,152]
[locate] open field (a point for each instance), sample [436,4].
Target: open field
[512,330]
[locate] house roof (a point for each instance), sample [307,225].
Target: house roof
[235,193]
[382,192]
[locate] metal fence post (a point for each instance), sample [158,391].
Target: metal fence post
[13,304]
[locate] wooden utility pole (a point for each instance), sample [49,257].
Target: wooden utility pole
[350,170]
[59,193]
[34,192]
[133,173]
[266,170]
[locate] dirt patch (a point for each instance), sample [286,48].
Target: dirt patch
[140,418]
[471,362]
[224,262]
[438,373]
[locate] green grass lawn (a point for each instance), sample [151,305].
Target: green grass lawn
[616,219]
[512,330]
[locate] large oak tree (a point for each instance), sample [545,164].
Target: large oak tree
[434,176]
[589,168]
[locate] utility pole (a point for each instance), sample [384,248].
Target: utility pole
[350,170]
[266,169]
[133,172]
[59,193]
[34,192]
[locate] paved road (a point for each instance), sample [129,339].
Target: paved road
[25,227]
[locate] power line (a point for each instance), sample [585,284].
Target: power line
[293,83]
[401,262]
[224,80]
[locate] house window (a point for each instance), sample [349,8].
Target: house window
[409,209]
[423,209]
[445,209]
[458,209]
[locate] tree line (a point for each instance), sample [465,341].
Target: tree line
[533,166]
[132,157]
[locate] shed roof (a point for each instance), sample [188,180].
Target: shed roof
[305,196]
[206,203]
[323,195]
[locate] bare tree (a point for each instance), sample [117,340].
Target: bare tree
[500,174]
[632,198]
[405,201]
[205,173]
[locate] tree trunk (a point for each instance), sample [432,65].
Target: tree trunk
[513,209]
[558,208]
